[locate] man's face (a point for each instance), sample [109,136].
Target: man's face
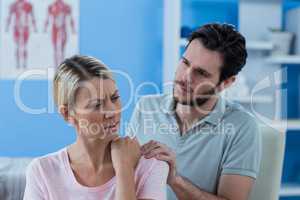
[197,75]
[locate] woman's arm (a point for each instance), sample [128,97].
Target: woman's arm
[125,184]
[125,156]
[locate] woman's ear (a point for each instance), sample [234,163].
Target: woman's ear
[66,114]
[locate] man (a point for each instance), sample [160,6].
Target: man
[212,146]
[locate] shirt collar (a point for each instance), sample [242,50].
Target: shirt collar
[214,117]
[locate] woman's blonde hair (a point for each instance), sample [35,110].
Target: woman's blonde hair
[71,72]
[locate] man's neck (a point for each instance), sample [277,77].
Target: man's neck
[187,115]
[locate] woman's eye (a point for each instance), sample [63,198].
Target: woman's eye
[97,105]
[115,98]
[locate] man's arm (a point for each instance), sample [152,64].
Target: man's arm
[231,187]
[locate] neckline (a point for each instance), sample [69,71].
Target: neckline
[70,172]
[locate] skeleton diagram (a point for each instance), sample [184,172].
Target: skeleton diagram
[22,13]
[59,13]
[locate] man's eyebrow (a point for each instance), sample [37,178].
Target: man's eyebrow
[200,69]
[186,60]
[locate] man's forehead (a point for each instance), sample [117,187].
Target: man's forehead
[203,58]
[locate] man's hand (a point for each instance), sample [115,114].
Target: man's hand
[161,152]
[125,153]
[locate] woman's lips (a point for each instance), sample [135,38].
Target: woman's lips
[113,127]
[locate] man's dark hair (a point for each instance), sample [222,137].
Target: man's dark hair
[224,39]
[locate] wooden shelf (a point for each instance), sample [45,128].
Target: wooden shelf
[288,59]
[290,190]
[251,45]
[286,124]
[259,45]
[256,99]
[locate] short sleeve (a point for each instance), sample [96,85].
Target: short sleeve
[243,155]
[33,189]
[155,185]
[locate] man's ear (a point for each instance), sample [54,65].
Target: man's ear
[226,83]
[66,114]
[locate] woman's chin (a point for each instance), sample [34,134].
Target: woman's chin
[110,135]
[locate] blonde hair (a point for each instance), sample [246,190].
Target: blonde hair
[72,72]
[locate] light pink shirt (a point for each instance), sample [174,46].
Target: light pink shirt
[51,178]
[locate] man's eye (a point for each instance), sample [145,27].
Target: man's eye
[202,73]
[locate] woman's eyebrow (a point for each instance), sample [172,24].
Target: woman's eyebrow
[115,93]
[94,100]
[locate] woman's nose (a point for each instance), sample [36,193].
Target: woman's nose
[110,109]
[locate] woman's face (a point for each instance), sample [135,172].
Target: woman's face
[97,109]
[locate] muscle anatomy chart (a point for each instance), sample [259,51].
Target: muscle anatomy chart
[36,34]
[21,17]
[59,14]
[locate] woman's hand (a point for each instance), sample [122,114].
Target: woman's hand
[125,153]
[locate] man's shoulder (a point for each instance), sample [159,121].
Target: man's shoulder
[241,120]
[236,112]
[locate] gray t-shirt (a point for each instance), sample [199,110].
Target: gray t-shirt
[227,141]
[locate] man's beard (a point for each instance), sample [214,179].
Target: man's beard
[196,101]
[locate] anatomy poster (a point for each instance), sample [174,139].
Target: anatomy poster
[36,34]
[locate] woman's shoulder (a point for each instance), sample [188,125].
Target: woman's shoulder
[152,164]
[48,162]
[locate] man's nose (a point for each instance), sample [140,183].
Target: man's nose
[187,76]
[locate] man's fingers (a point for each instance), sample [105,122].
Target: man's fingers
[167,158]
[150,149]
[150,145]
[154,152]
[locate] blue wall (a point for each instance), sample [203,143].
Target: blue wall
[198,12]
[126,35]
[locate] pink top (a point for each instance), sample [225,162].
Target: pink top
[51,178]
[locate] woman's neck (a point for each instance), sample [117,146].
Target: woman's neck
[95,154]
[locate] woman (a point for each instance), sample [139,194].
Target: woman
[100,164]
